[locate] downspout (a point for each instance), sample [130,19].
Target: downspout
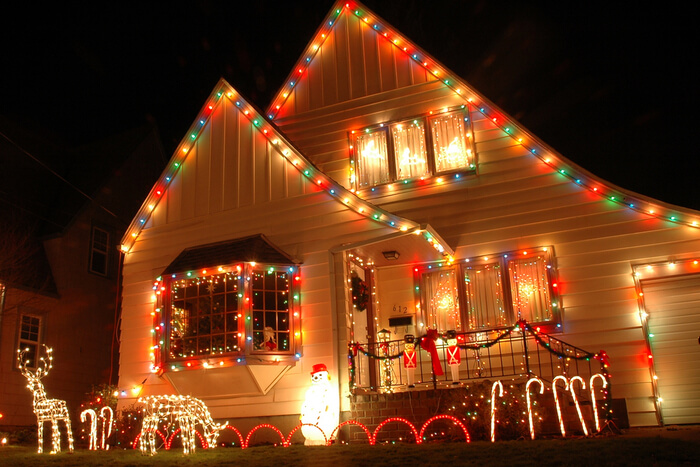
[117,314]
[2,305]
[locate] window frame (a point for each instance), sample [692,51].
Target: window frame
[502,260]
[22,343]
[164,361]
[106,252]
[392,158]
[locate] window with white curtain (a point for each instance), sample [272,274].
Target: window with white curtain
[372,158]
[441,300]
[483,293]
[409,149]
[450,142]
[530,288]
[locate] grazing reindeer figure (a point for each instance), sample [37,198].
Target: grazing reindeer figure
[51,410]
[188,411]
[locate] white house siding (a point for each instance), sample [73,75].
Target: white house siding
[233,184]
[514,201]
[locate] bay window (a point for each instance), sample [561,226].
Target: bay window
[372,158]
[233,312]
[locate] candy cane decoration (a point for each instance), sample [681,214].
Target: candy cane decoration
[106,425]
[93,426]
[529,406]
[578,407]
[556,400]
[493,407]
[593,401]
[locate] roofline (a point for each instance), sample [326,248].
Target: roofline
[641,203]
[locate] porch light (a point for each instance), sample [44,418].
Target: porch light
[391,255]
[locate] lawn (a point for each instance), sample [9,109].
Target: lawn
[612,450]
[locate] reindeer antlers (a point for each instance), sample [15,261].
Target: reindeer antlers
[46,362]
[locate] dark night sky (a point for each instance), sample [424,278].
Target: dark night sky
[609,86]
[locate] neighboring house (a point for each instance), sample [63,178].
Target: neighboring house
[380,192]
[59,266]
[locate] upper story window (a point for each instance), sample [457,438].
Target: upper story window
[99,251]
[405,150]
[236,311]
[30,337]
[492,293]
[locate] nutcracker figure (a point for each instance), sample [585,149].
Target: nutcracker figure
[409,358]
[453,355]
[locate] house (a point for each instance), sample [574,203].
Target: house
[59,266]
[380,196]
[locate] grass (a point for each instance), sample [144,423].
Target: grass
[655,451]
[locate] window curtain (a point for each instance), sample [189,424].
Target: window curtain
[410,151]
[449,142]
[530,288]
[484,297]
[441,300]
[372,160]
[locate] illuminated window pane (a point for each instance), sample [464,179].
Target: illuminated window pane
[372,159]
[409,149]
[530,288]
[484,297]
[441,300]
[29,333]
[270,310]
[452,148]
[204,316]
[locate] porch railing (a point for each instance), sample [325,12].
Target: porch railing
[518,351]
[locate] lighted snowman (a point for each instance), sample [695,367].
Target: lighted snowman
[319,407]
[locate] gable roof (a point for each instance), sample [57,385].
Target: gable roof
[354,11]
[293,156]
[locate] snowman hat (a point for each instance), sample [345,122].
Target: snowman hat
[319,367]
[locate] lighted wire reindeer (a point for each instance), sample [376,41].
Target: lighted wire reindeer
[188,411]
[51,410]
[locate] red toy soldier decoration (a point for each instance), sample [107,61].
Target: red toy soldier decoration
[454,357]
[409,358]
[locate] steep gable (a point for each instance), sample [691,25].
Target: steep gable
[233,157]
[358,72]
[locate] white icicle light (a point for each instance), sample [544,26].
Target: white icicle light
[51,410]
[187,411]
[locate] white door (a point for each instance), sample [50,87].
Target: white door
[673,305]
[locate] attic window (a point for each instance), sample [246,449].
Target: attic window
[403,150]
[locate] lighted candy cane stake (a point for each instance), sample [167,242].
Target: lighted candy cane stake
[106,425]
[578,407]
[556,400]
[529,405]
[93,427]
[493,407]
[593,401]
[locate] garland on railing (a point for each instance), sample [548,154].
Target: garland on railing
[429,345]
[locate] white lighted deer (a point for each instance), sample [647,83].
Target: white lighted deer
[51,410]
[187,411]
